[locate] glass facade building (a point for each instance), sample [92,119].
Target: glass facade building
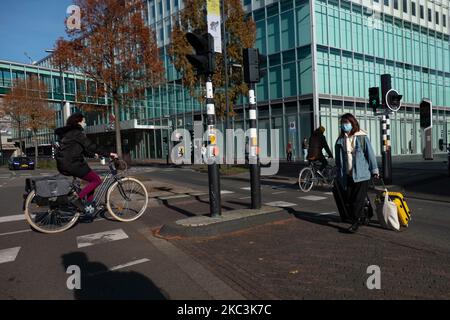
[322,56]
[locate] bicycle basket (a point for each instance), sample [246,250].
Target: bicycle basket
[120,165]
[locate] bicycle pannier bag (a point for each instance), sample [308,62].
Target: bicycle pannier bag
[50,187]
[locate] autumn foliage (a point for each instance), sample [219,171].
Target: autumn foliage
[116,50]
[27,106]
[241,33]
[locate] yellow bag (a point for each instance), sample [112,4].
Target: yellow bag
[404,214]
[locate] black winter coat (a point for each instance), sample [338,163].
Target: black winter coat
[74,146]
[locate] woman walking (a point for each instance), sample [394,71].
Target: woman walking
[356,164]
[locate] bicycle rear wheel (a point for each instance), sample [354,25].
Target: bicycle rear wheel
[306,179]
[127,199]
[49,216]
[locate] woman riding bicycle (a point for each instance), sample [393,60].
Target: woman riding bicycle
[74,145]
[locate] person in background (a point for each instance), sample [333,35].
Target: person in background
[305,146]
[356,164]
[289,152]
[317,143]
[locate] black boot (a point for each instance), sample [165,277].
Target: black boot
[354,227]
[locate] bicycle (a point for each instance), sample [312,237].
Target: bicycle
[125,198]
[311,175]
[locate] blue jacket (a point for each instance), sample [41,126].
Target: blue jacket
[364,161]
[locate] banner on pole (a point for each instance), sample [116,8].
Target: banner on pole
[213,19]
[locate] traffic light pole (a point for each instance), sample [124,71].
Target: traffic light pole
[386,149]
[255,168]
[213,168]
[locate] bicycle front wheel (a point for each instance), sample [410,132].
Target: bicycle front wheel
[49,216]
[306,179]
[127,199]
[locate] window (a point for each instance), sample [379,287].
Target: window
[386,2]
[168,5]
[430,16]
[396,4]
[437,18]
[413,8]
[405,6]
[444,20]
[422,13]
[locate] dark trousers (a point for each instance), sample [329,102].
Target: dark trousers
[356,197]
[289,156]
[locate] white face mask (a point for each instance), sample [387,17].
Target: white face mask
[83,124]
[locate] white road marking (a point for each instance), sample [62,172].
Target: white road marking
[313,198]
[281,204]
[15,232]
[246,188]
[9,255]
[226,192]
[279,192]
[101,237]
[328,193]
[327,214]
[129,264]
[122,266]
[18,217]
[244,198]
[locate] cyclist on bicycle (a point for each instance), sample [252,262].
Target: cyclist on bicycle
[74,145]
[317,143]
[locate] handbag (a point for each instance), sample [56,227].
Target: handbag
[387,212]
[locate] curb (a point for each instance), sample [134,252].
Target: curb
[230,221]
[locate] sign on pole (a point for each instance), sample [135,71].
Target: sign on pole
[213,19]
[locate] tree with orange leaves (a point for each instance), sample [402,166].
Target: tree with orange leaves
[27,106]
[241,33]
[116,50]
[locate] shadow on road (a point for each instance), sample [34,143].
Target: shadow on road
[98,283]
[330,221]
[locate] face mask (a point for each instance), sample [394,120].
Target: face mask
[83,124]
[347,127]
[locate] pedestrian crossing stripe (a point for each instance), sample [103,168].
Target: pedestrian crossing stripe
[281,204]
[313,198]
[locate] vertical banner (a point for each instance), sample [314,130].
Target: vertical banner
[213,9]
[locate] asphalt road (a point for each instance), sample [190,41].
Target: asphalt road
[304,256]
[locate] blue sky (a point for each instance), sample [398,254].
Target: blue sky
[30,26]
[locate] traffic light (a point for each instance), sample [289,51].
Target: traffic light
[390,97]
[393,100]
[374,98]
[203,59]
[253,61]
[426,114]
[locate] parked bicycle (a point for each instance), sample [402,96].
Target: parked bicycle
[125,198]
[311,176]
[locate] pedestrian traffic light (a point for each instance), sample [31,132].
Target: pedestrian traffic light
[393,100]
[426,113]
[374,98]
[203,59]
[253,61]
